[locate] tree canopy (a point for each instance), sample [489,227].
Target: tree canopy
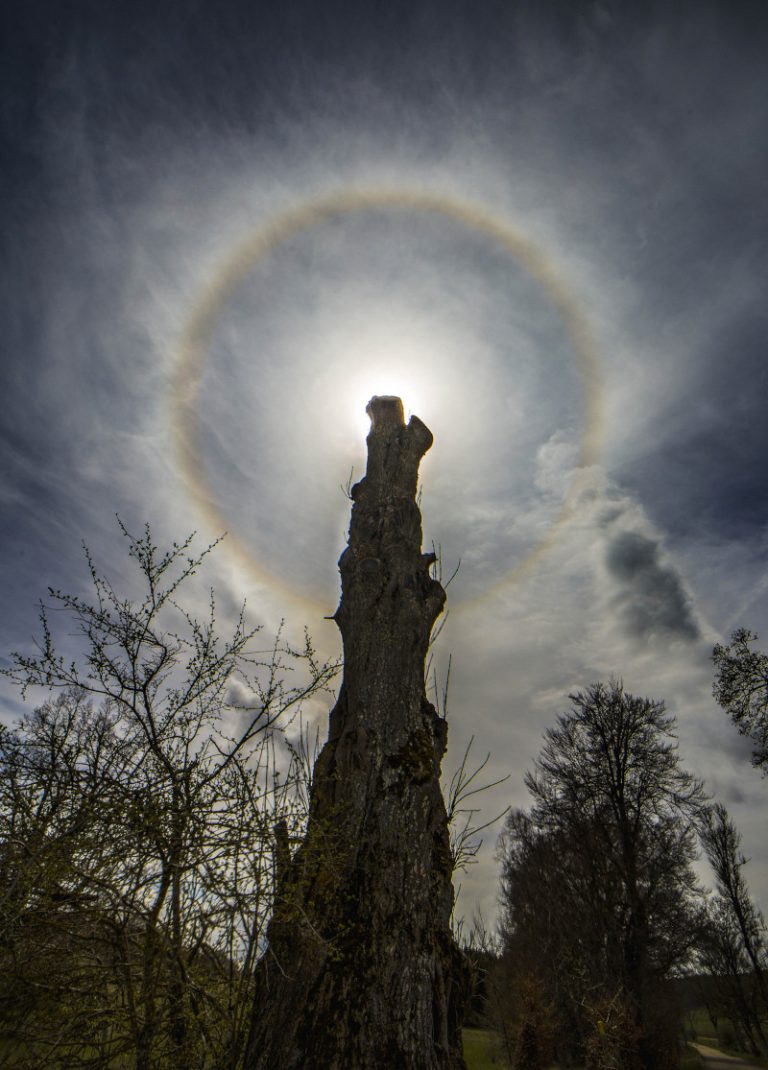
[598,894]
[741,688]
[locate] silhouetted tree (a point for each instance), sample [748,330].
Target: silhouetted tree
[136,817]
[735,949]
[598,893]
[533,1040]
[741,688]
[723,982]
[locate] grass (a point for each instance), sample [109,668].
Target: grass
[701,1030]
[691,1059]
[699,1026]
[481,1050]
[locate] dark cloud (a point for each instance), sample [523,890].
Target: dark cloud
[736,794]
[651,600]
[711,451]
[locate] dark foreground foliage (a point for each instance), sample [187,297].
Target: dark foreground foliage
[137,808]
[600,903]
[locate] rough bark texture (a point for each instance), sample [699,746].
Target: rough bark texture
[362,972]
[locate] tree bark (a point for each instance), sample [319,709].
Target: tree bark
[362,972]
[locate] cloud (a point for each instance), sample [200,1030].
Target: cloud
[651,600]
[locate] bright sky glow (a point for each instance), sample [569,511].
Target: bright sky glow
[382,291]
[392,366]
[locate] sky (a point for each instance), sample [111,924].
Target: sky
[544,226]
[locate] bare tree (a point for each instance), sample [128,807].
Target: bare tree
[157,789]
[724,982]
[737,945]
[741,688]
[597,886]
[53,813]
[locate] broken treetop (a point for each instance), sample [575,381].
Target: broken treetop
[394,449]
[385,581]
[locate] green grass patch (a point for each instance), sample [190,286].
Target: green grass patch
[700,1030]
[482,1050]
[691,1060]
[699,1026]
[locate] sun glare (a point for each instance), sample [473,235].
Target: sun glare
[378,385]
[386,365]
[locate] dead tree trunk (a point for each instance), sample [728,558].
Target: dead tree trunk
[362,972]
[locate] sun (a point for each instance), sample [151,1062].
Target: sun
[383,360]
[377,385]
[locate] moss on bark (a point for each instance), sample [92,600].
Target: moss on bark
[362,971]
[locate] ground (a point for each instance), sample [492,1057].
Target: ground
[481,1050]
[719,1060]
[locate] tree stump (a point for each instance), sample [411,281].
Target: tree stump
[362,972]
